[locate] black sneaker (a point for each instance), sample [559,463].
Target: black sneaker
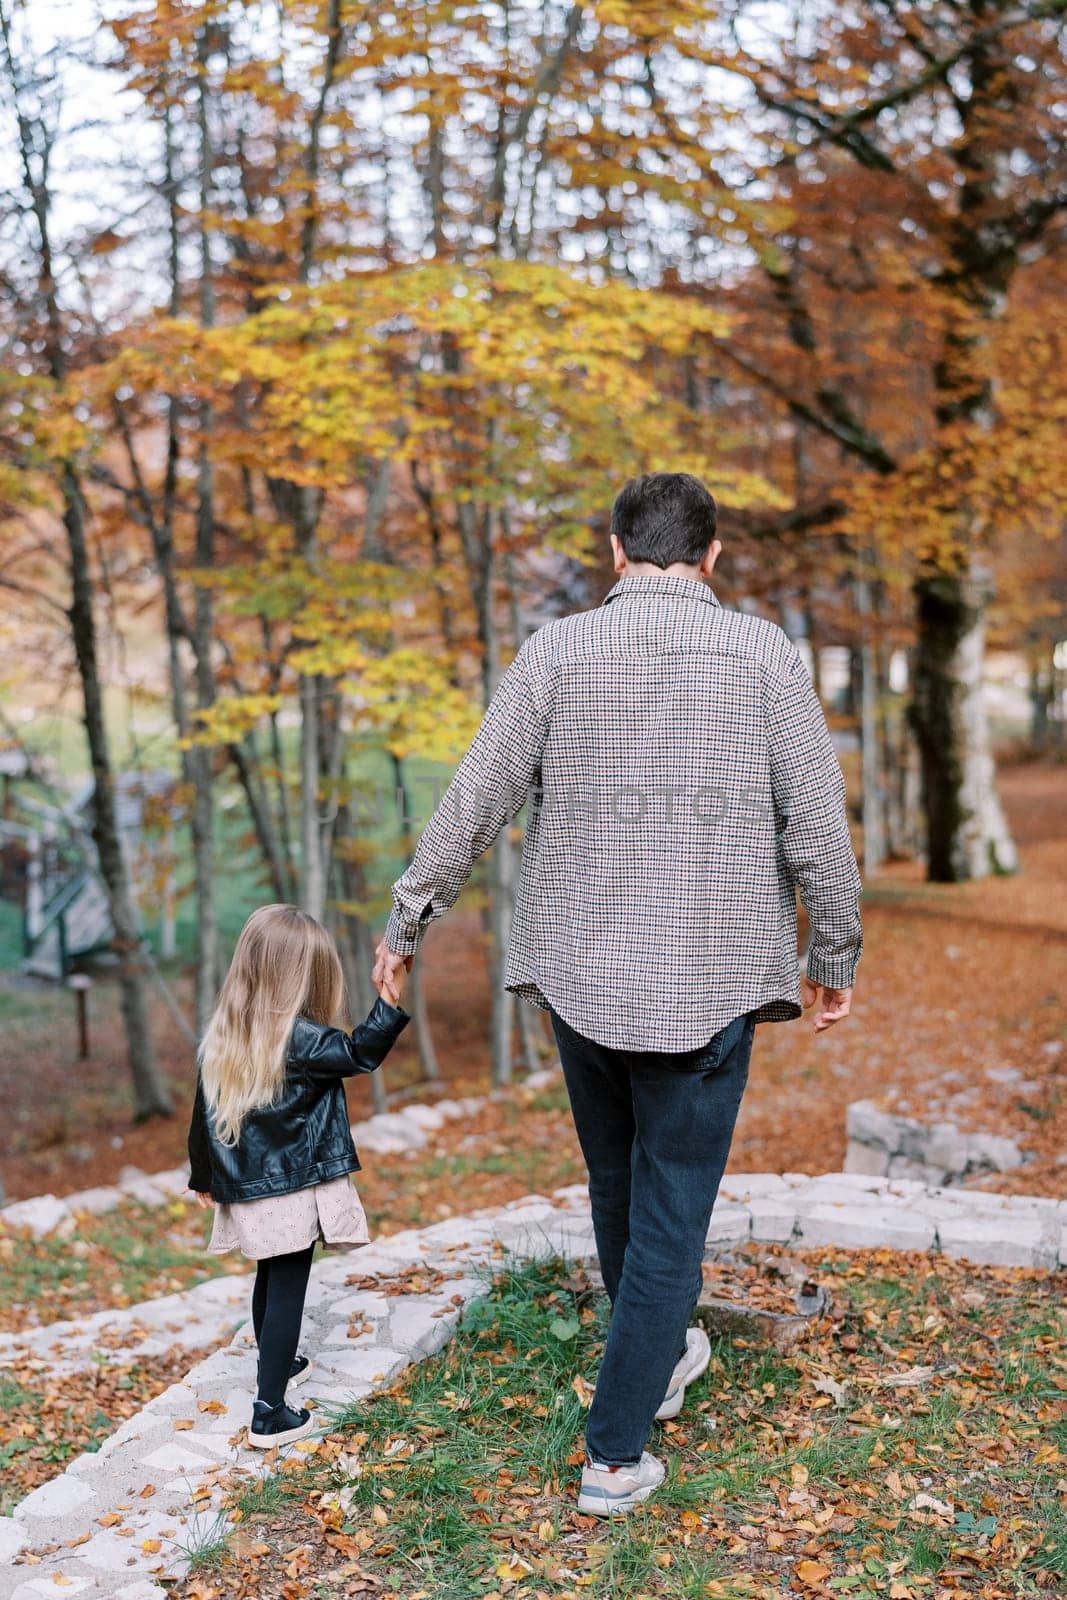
[300,1369]
[275,1425]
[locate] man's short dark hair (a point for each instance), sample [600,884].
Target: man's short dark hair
[664,517]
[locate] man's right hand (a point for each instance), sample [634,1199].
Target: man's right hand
[390,971]
[833,1005]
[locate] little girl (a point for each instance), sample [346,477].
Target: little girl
[270,1144]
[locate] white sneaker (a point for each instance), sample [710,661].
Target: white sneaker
[693,1363]
[613,1491]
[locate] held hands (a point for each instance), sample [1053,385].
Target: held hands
[835,1004]
[390,972]
[204,1201]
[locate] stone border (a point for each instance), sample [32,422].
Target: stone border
[854,1211]
[148,1472]
[390,1133]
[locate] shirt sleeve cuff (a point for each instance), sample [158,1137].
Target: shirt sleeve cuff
[401,934]
[832,971]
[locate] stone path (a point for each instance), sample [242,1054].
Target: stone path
[118,1520]
[400,1132]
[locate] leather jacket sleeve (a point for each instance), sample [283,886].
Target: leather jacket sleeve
[332,1053]
[199,1145]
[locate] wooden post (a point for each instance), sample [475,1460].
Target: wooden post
[81,984]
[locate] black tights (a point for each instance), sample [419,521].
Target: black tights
[277,1311]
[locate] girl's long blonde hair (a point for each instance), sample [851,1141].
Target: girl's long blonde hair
[285,966]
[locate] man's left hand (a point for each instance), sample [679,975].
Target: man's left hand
[835,1004]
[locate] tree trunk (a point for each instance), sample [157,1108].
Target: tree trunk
[967,834]
[502,889]
[151,1096]
[874,844]
[202,761]
[528,1037]
[429,1066]
[356,960]
[428,1063]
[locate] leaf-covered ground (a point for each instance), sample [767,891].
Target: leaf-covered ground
[914,1447]
[960,1011]
[47,1421]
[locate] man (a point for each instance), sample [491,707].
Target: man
[685,788]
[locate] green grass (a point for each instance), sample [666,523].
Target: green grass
[459,1481]
[131,1245]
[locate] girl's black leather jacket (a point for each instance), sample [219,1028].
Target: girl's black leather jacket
[304,1137]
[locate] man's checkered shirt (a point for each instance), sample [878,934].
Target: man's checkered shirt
[682,788]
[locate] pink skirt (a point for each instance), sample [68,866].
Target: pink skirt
[329,1212]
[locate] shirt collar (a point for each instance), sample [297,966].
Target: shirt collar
[666,583]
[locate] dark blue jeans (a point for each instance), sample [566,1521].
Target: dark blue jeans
[655,1129]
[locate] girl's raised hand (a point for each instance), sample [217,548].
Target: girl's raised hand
[389,992]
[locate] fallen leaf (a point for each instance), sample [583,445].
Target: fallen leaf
[812,1573]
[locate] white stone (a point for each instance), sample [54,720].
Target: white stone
[337,1392]
[872,1159]
[993,1150]
[144,1191]
[107,1552]
[389,1133]
[142,1590]
[337,1338]
[36,1587]
[1010,1242]
[544,1078]
[573,1191]
[428,1117]
[834,1191]
[57,1498]
[364,1302]
[742,1186]
[177,1457]
[96,1201]
[865,1227]
[175,1181]
[13,1539]
[413,1317]
[867,1125]
[368,1366]
[729,1224]
[41,1215]
[772,1220]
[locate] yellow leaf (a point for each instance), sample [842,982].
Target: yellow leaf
[152,1546]
[812,1573]
[510,1569]
[380,1516]
[582,1389]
